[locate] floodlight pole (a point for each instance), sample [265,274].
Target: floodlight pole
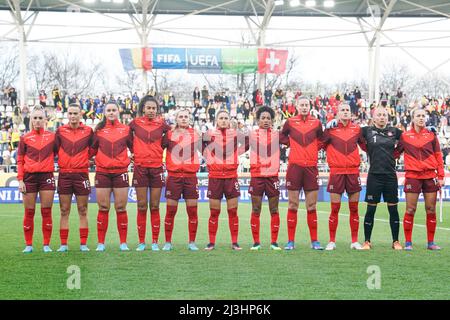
[17,15]
[144,41]
[270,6]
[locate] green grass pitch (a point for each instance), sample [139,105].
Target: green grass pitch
[223,273]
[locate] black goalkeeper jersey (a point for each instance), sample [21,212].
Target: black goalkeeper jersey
[380,148]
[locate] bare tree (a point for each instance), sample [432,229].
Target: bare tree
[129,81]
[9,70]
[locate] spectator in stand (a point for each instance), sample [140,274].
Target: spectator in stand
[279,97]
[196,94]
[43,98]
[13,96]
[205,96]
[56,94]
[268,96]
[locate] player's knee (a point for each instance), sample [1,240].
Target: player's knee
[293,206]
[311,206]
[410,210]
[430,209]
[120,207]
[153,206]
[82,210]
[142,205]
[65,210]
[103,207]
[256,210]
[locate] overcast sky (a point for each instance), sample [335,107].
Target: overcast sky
[325,60]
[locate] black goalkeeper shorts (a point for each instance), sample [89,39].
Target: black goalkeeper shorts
[382,184]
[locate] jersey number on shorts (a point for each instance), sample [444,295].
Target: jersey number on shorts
[276,185]
[125,177]
[51,181]
[86,184]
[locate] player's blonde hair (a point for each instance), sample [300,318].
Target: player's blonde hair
[38,108]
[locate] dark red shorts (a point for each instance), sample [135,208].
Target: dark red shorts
[177,186]
[148,177]
[421,185]
[305,178]
[339,183]
[37,181]
[111,180]
[74,183]
[217,188]
[268,185]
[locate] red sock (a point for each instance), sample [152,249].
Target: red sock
[156,222]
[122,225]
[63,235]
[28,226]
[47,225]
[312,224]
[254,222]
[213,224]
[274,226]
[408,222]
[292,224]
[142,224]
[431,226]
[168,222]
[354,220]
[102,225]
[233,223]
[192,222]
[83,236]
[333,220]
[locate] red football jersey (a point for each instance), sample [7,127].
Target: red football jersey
[341,145]
[264,153]
[182,152]
[36,153]
[303,136]
[110,147]
[147,138]
[72,146]
[423,156]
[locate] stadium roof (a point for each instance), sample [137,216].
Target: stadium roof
[341,8]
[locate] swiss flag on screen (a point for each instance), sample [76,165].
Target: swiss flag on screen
[272,61]
[147,57]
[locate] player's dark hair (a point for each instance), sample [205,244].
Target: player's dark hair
[265,109]
[142,103]
[102,123]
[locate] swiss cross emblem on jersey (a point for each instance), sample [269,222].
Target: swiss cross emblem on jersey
[390,134]
[272,61]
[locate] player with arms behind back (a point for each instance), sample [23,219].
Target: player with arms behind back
[424,169]
[72,144]
[264,167]
[112,140]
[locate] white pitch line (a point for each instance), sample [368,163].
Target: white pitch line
[384,220]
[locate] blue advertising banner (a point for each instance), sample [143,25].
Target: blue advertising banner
[12,195]
[204,60]
[169,58]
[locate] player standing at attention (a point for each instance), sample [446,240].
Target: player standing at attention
[221,149]
[264,167]
[302,133]
[381,140]
[424,169]
[183,144]
[35,161]
[341,144]
[111,141]
[72,145]
[148,130]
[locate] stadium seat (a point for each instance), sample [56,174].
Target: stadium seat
[65,121]
[9,109]
[88,122]
[182,103]
[188,103]
[2,108]
[96,121]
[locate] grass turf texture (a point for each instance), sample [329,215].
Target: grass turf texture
[223,273]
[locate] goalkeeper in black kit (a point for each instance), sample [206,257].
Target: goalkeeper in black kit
[381,141]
